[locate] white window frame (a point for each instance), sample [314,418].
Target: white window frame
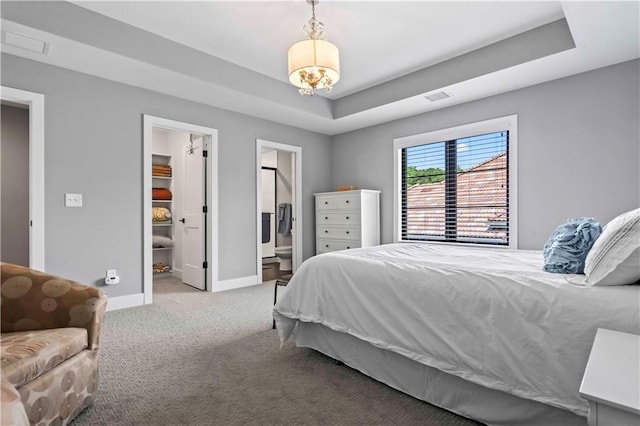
[509,123]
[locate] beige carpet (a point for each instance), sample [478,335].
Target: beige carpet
[206,359]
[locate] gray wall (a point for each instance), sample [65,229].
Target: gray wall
[578,149]
[93,146]
[15,185]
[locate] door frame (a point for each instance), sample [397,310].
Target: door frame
[35,103]
[211,138]
[297,195]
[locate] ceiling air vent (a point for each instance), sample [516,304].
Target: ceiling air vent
[25,42]
[437,96]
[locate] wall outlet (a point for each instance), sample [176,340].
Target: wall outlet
[111,277]
[72,200]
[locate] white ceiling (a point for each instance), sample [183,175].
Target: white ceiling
[240,57]
[378,41]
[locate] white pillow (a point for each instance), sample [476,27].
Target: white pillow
[614,258]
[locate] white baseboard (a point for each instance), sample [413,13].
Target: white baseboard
[225,285]
[132,300]
[177,273]
[122,302]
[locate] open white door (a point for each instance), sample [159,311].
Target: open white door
[193,219]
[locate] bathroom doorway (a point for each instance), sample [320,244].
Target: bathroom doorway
[278,189]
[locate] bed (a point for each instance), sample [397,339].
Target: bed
[482,332]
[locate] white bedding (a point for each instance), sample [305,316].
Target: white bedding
[490,316]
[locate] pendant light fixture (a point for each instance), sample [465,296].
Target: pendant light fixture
[314,64]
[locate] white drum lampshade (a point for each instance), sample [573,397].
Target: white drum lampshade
[318,59]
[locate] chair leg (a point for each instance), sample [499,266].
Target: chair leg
[275,299]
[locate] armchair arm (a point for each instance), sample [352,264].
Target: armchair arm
[34,300]
[11,407]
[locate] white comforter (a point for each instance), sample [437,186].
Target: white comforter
[490,316]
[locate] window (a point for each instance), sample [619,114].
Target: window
[457,185]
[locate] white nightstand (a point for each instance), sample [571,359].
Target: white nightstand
[611,381]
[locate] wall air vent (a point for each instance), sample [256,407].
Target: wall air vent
[437,96]
[25,42]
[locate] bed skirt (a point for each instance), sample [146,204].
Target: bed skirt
[432,385]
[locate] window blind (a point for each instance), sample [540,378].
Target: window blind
[457,190]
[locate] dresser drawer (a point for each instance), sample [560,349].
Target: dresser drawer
[339,232]
[333,245]
[346,218]
[337,202]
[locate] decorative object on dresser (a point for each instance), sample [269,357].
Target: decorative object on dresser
[347,219]
[346,188]
[610,381]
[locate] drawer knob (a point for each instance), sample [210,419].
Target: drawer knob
[347,232]
[347,201]
[347,217]
[326,218]
[327,245]
[326,202]
[348,247]
[326,232]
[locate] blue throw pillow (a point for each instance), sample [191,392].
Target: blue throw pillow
[567,248]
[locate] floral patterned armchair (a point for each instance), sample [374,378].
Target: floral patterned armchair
[48,345]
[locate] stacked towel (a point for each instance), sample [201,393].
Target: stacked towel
[161,194]
[161,170]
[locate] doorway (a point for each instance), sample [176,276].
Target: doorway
[14,181]
[180,204]
[179,176]
[30,108]
[278,209]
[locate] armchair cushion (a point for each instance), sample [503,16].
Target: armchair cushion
[26,355]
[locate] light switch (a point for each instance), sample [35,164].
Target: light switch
[72,200]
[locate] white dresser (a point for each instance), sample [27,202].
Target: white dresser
[347,219]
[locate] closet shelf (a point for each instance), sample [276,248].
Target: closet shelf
[162,178]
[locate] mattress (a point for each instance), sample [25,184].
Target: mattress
[490,316]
